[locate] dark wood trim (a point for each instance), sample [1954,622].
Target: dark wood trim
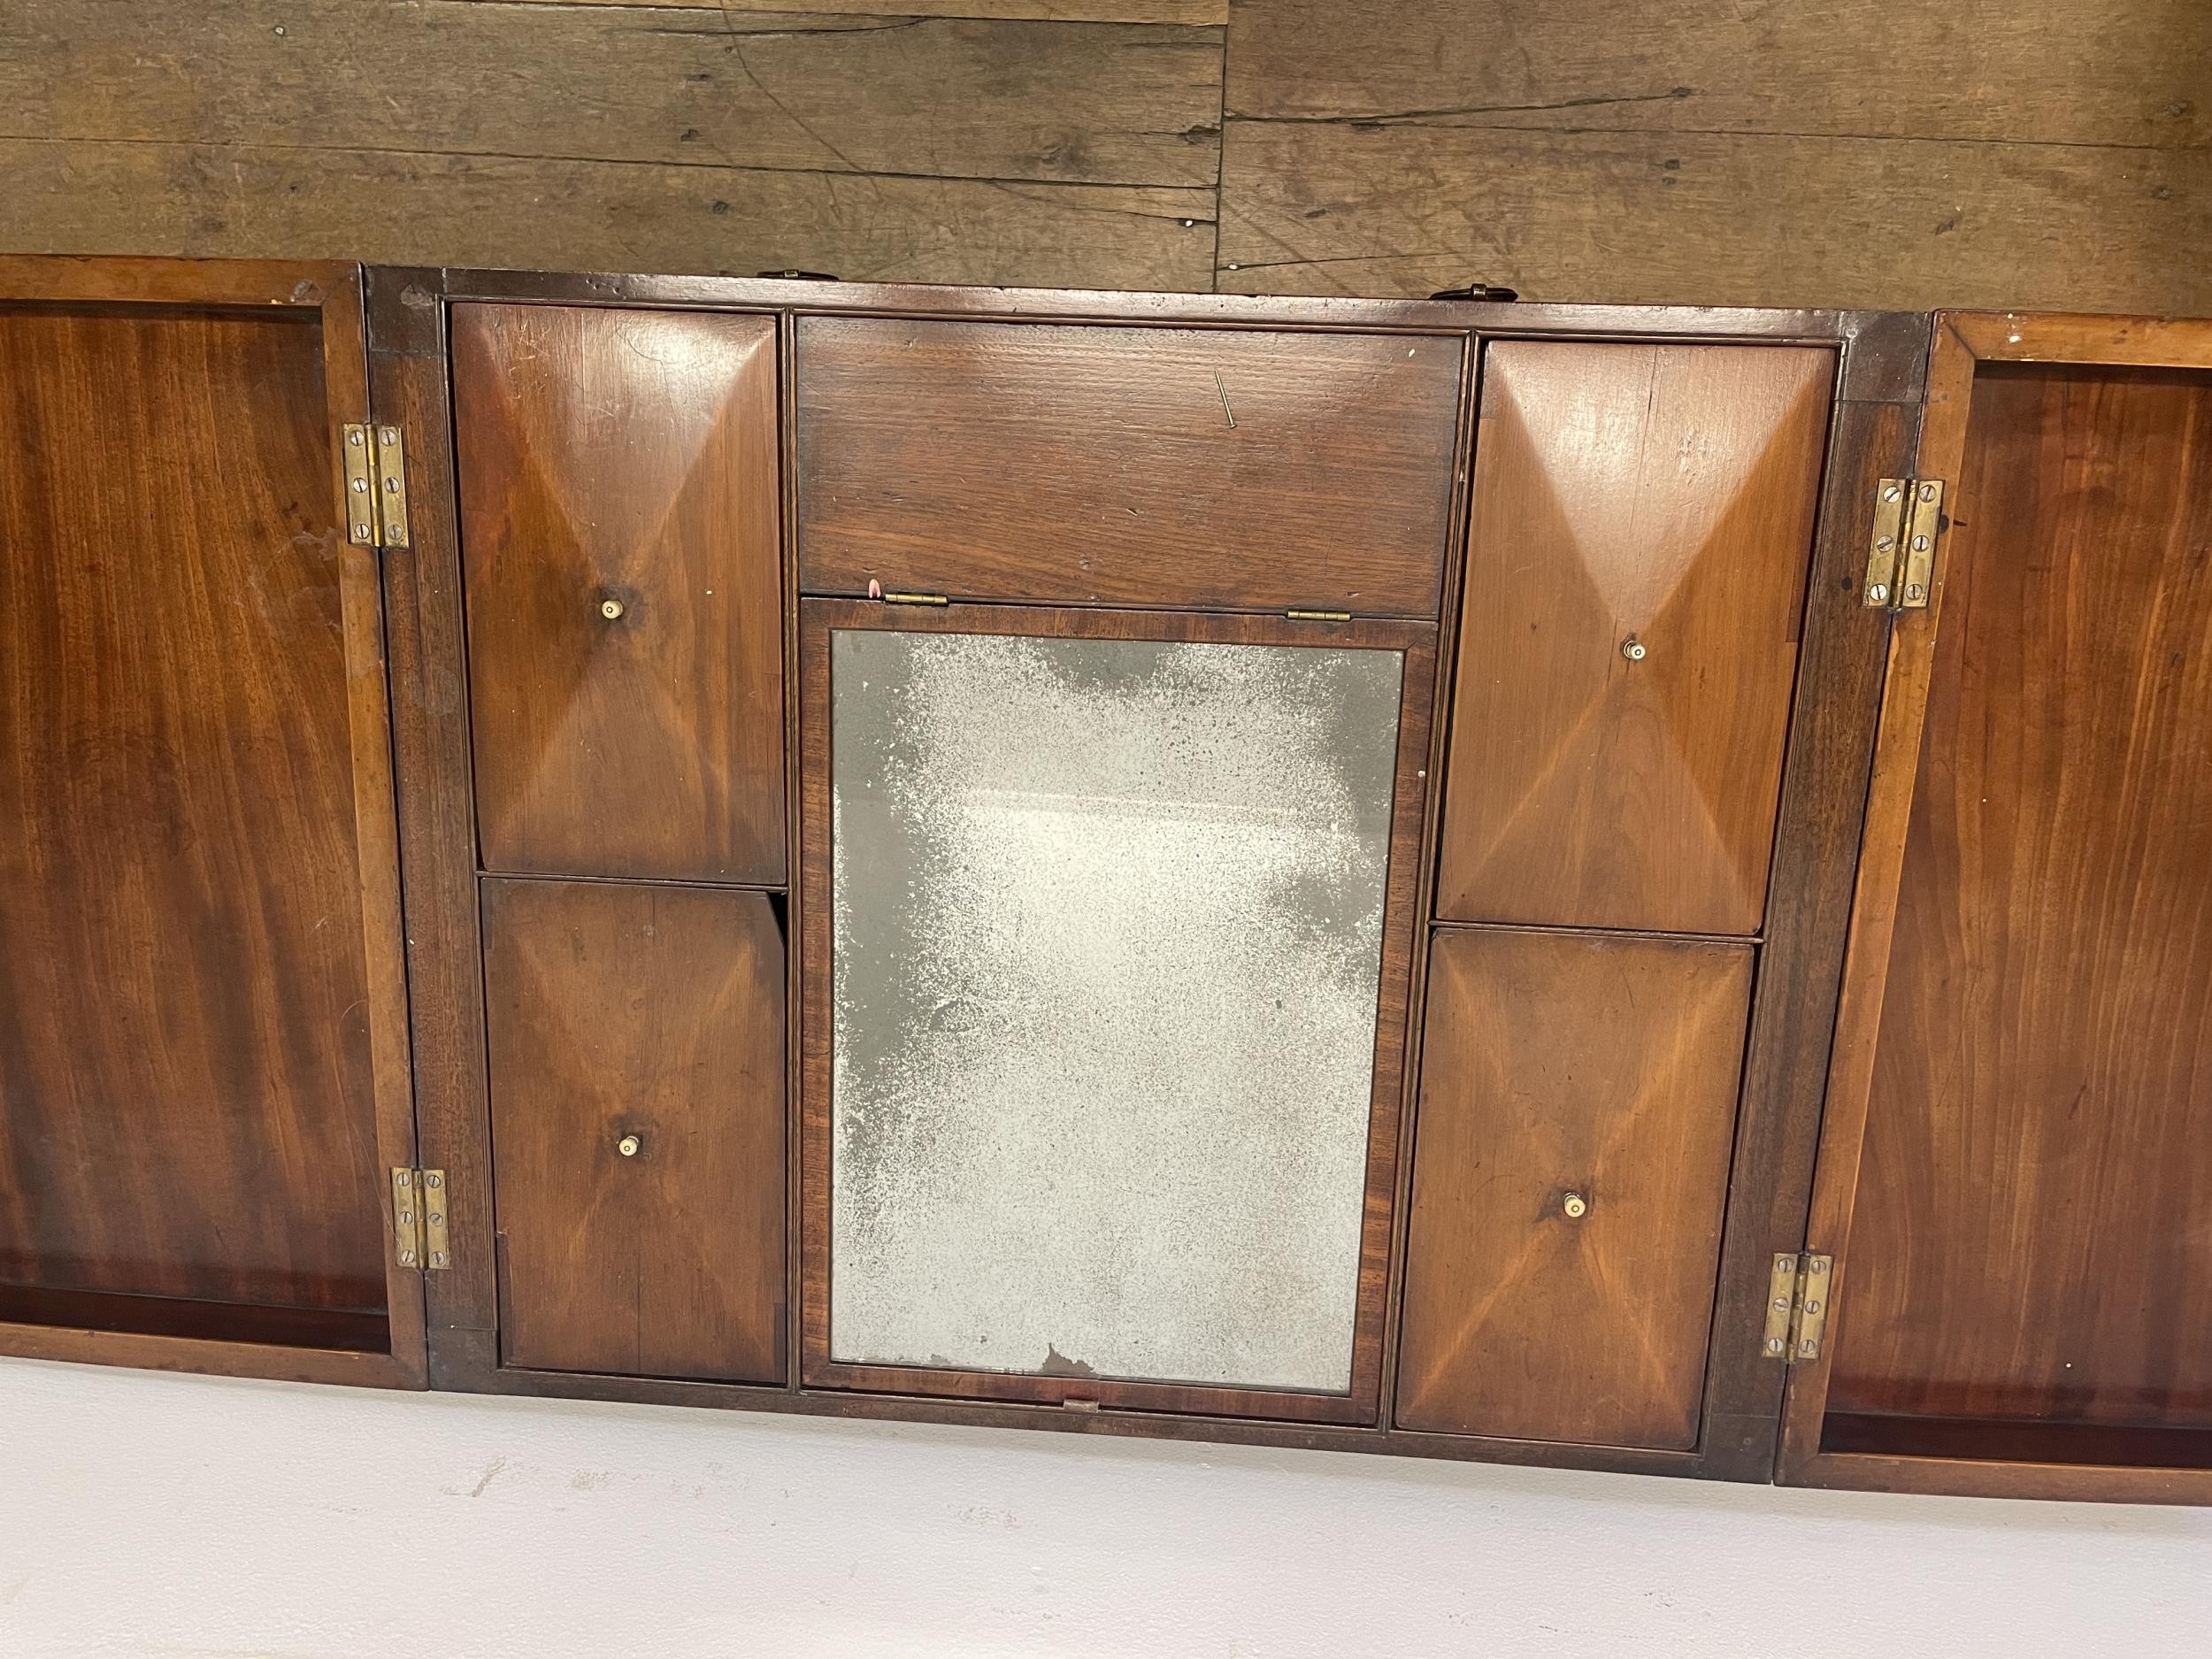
[1425,895]
[852,1405]
[816,619]
[427,645]
[795,899]
[1237,311]
[1822,805]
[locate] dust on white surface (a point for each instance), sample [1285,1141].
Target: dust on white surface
[1108,932]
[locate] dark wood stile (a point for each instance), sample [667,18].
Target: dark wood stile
[427,642]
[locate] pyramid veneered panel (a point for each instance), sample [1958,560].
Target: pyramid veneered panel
[626,458]
[1658,495]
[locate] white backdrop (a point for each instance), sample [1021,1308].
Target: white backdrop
[193,1517]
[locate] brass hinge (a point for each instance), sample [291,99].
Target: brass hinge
[376,487]
[1319,616]
[1797,1307]
[1901,554]
[418,1223]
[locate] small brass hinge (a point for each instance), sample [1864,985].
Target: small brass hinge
[1901,552]
[1319,616]
[419,1220]
[376,487]
[1797,1307]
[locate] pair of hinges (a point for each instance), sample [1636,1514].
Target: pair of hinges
[1797,1307]
[376,487]
[418,1220]
[1901,555]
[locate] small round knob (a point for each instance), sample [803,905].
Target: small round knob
[610,609]
[1632,648]
[1575,1205]
[628,1146]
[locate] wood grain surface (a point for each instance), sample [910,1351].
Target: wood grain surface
[1555,1065]
[2052,153]
[624,461]
[197,936]
[1629,499]
[2026,1237]
[654,1012]
[1169,468]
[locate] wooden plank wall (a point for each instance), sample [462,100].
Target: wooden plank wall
[1907,153]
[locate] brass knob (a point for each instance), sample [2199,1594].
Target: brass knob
[1632,648]
[628,1146]
[610,609]
[1575,1205]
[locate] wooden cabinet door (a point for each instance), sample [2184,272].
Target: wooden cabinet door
[1643,521]
[637,1072]
[203,1010]
[619,516]
[1569,1165]
[2015,1178]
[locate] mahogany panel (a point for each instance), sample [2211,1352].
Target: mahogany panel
[1169,468]
[1642,516]
[617,1011]
[2035,1189]
[1557,1068]
[202,1063]
[619,505]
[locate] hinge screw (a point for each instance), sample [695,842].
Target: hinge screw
[406,1259]
[1892,493]
[433,1180]
[1775,1347]
[1878,594]
[1913,593]
[354,437]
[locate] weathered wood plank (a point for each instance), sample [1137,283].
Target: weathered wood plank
[1063,11]
[505,212]
[1739,219]
[2085,72]
[940,96]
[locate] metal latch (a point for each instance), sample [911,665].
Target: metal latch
[418,1220]
[376,487]
[1797,1307]
[1901,555]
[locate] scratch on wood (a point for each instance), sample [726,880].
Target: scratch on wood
[1224,390]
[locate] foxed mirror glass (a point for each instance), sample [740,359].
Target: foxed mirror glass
[1107,937]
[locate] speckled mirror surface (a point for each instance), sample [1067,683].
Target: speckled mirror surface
[1106,955]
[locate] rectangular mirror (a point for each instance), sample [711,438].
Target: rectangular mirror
[1107,957]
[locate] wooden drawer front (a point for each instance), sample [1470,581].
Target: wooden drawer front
[1559,1064]
[1629,499]
[656,1012]
[1163,467]
[625,461]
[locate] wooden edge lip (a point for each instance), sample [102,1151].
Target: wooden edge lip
[2081,337]
[208,1356]
[1015,303]
[831,613]
[1966,1478]
[948,1411]
[112,279]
